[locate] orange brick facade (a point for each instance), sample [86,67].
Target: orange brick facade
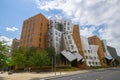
[77,39]
[96,41]
[34,32]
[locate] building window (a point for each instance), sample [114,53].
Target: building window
[94,57]
[69,37]
[68,28]
[96,63]
[40,34]
[56,32]
[89,62]
[59,34]
[86,57]
[72,47]
[88,51]
[30,45]
[50,33]
[32,30]
[70,42]
[68,23]
[56,44]
[56,38]
[31,40]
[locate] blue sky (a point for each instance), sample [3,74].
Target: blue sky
[95,17]
[13,13]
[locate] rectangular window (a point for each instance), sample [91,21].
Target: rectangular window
[31,40]
[68,23]
[86,57]
[69,37]
[56,44]
[72,47]
[70,42]
[68,28]
[56,32]
[32,30]
[56,38]
[40,34]
[88,51]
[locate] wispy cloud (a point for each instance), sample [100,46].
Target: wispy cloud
[11,29]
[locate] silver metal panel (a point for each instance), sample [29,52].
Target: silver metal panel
[68,55]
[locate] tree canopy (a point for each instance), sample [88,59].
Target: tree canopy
[3,54]
[28,57]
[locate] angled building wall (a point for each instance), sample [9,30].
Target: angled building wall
[78,42]
[90,52]
[112,52]
[94,40]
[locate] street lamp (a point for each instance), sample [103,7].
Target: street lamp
[55,63]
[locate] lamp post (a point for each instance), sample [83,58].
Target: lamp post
[55,63]
[52,63]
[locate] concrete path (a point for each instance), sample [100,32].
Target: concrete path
[35,76]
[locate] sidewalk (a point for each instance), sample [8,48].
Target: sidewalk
[35,76]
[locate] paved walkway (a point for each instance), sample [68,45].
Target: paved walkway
[34,76]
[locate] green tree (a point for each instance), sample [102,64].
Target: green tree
[29,53]
[3,54]
[51,54]
[19,57]
[50,51]
[40,58]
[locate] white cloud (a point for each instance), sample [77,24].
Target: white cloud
[6,39]
[11,29]
[87,12]
[87,32]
